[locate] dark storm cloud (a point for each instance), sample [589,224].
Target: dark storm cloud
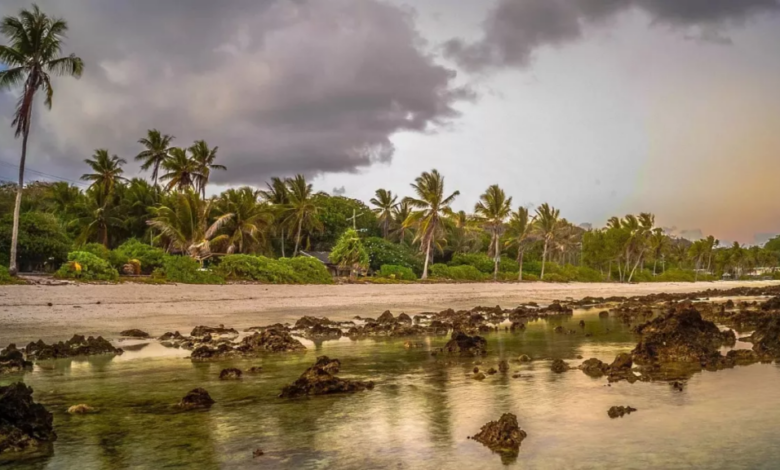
[514,29]
[282,86]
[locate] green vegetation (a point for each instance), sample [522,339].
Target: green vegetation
[349,252]
[185,270]
[86,266]
[399,273]
[282,271]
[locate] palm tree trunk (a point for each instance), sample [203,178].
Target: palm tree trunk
[282,242]
[13,269]
[609,271]
[105,236]
[496,259]
[631,276]
[655,263]
[298,237]
[544,259]
[520,262]
[427,257]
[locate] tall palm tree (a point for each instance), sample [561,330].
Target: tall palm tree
[32,57]
[432,207]
[204,158]
[278,196]
[302,211]
[492,210]
[157,146]
[61,198]
[464,232]
[658,243]
[107,172]
[520,225]
[182,171]
[246,229]
[183,222]
[401,212]
[547,220]
[385,202]
[97,215]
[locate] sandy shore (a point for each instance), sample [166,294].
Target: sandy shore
[25,314]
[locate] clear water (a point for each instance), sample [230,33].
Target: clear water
[418,416]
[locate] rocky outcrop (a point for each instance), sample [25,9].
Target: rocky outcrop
[465,345]
[12,361]
[320,379]
[76,346]
[24,424]
[594,368]
[620,411]
[503,436]
[271,340]
[134,333]
[196,399]
[201,331]
[559,366]
[230,374]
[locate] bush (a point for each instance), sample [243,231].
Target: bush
[400,273]
[308,270]
[675,275]
[5,277]
[439,270]
[97,249]
[86,266]
[185,270]
[508,265]
[349,251]
[381,252]
[533,267]
[457,273]
[530,277]
[150,257]
[481,261]
[554,277]
[43,243]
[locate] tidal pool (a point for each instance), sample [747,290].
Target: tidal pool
[418,416]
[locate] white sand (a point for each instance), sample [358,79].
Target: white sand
[25,315]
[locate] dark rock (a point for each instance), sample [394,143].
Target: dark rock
[308,322]
[386,317]
[503,436]
[197,398]
[272,341]
[479,376]
[220,330]
[559,366]
[679,386]
[582,323]
[492,371]
[320,379]
[594,368]
[525,358]
[170,336]
[603,314]
[257,453]
[230,374]
[24,424]
[771,304]
[503,366]
[620,411]
[134,333]
[12,361]
[404,318]
[465,345]
[76,346]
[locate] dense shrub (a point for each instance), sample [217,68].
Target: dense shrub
[458,273]
[300,270]
[682,275]
[508,265]
[185,270]
[400,273]
[43,243]
[308,270]
[5,277]
[481,261]
[96,249]
[533,267]
[381,252]
[86,266]
[349,251]
[150,257]
[555,277]
[530,277]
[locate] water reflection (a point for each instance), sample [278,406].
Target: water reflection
[418,416]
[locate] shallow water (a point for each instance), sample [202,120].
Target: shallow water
[418,416]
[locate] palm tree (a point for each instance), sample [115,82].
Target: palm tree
[658,243]
[204,158]
[107,172]
[184,224]
[98,215]
[157,147]
[385,202]
[182,171]
[302,210]
[32,56]
[246,229]
[278,196]
[547,219]
[401,212]
[62,198]
[432,206]
[464,232]
[520,225]
[492,210]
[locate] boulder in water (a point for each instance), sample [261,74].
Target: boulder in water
[503,436]
[230,374]
[559,366]
[12,361]
[620,411]
[465,345]
[320,379]
[134,333]
[24,424]
[76,346]
[197,398]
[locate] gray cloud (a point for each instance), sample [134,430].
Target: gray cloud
[339,191]
[282,86]
[514,29]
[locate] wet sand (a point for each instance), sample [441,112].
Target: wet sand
[107,309]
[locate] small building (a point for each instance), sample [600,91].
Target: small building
[324,257]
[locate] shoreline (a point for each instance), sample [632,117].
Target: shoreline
[89,309]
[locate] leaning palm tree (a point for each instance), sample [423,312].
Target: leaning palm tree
[182,171]
[520,225]
[301,211]
[432,207]
[246,229]
[278,196]
[385,202]
[658,243]
[204,158]
[547,220]
[107,172]
[492,210]
[32,56]
[157,146]
[183,223]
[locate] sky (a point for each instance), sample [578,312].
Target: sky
[599,107]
